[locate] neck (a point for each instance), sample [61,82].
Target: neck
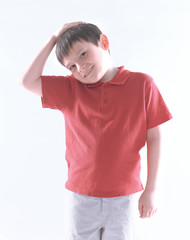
[110,73]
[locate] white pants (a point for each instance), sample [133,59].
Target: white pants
[93,218]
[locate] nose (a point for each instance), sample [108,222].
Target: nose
[82,69]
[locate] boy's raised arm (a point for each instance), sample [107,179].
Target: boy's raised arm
[31,79]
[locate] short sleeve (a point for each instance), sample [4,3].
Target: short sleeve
[157,111]
[56,92]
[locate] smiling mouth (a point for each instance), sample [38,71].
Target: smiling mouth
[86,75]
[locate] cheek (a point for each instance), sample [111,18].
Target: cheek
[94,56]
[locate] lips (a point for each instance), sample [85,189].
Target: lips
[88,72]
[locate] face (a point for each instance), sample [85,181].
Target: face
[86,61]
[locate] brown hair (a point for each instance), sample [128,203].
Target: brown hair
[87,32]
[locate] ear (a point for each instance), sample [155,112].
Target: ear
[104,41]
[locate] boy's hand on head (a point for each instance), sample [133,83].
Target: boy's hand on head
[65,27]
[31,79]
[147,204]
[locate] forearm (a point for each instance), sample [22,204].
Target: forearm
[148,199]
[153,161]
[35,69]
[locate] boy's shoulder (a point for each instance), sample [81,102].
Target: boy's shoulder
[57,78]
[141,75]
[141,78]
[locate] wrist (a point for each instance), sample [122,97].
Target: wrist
[53,39]
[151,189]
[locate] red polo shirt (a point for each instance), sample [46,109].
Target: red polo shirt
[105,126]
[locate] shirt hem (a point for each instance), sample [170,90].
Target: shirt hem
[94,193]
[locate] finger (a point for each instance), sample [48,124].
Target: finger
[65,27]
[77,22]
[73,24]
[140,208]
[154,212]
[144,214]
[149,214]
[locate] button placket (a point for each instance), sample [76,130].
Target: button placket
[104,93]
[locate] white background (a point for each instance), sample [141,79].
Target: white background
[150,36]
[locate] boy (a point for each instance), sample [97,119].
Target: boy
[110,113]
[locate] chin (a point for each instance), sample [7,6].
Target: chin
[91,81]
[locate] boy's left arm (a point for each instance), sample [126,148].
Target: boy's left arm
[148,199]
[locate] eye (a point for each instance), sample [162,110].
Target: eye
[72,67]
[83,54]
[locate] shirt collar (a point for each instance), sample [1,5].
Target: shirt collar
[119,79]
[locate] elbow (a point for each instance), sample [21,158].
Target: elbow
[23,80]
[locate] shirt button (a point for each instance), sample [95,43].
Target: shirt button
[105,85]
[105,93]
[105,101]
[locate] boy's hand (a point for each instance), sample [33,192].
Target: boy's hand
[31,79]
[65,27]
[147,204]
